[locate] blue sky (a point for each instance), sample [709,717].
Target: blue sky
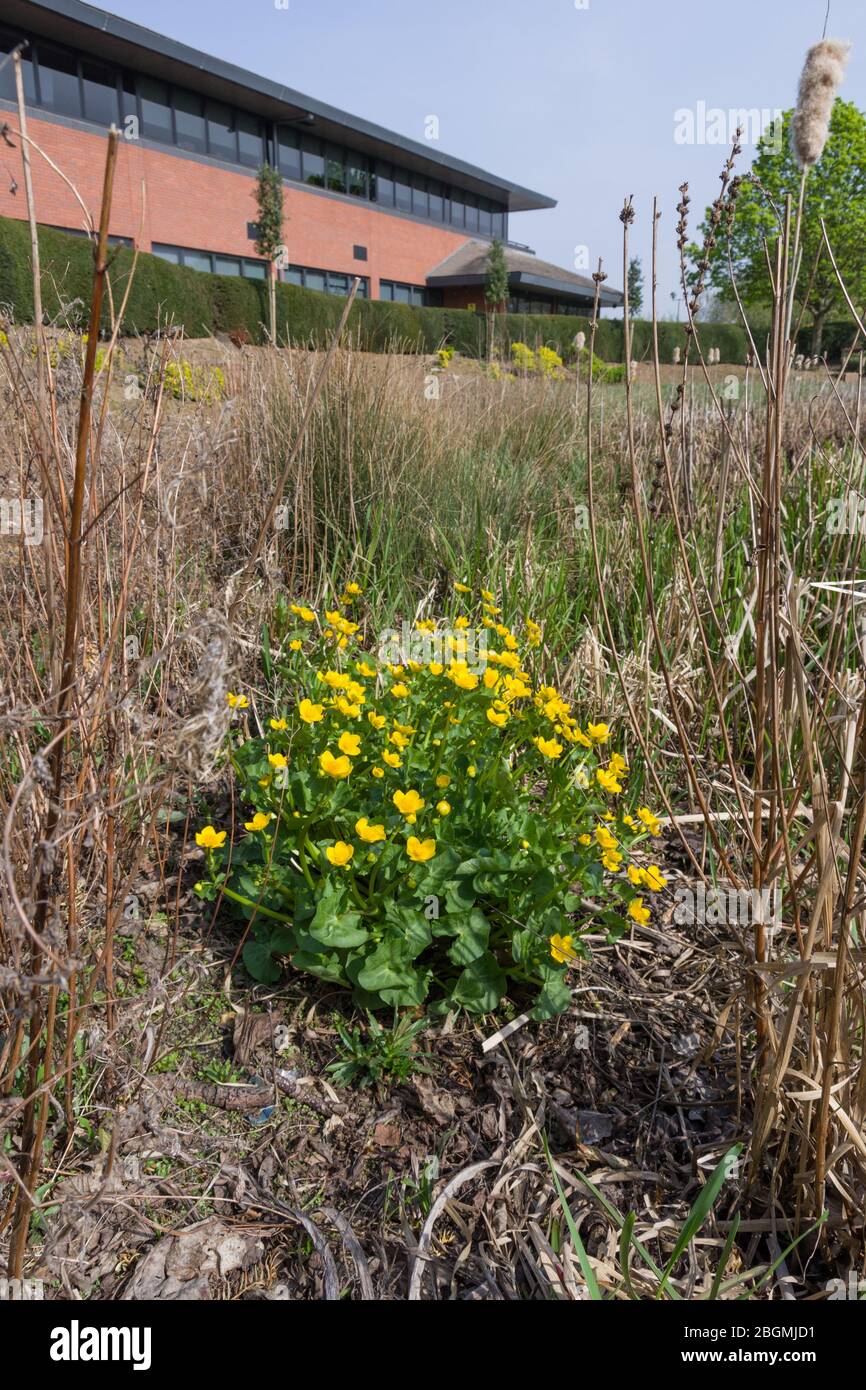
[574,98]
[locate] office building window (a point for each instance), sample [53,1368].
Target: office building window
[70,83]
[398,293]
[325,281]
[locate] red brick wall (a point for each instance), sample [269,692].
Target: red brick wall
[461,296]
[199,205]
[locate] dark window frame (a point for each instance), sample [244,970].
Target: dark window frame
[303,271]
[373,176]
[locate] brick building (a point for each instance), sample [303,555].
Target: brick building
[413,223]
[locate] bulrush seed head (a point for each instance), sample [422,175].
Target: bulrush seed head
[819,81]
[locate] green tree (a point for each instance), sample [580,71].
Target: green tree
[495,288]
[269,242]
[635,286]
[835,190]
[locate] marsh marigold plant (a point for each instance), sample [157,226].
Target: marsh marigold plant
[432,832]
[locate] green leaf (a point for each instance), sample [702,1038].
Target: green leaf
[459,895]
[260,963]
[333,927]
[481,985]
[412,928]
[384,968]
[471,931]
[554,998]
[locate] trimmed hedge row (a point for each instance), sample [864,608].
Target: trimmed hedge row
[206,304]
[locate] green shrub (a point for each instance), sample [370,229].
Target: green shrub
[420,830]
[204,304]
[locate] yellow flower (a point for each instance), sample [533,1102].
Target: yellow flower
[334,767]
[208,838]
[435,668]
[491,678]
[378,771]
[548,747]
[607,780]
[295,644]
[277,760]
[310,713]
[335,679]
[443,808]
[420,850]
[237,701]
[617,764]
[498,718]
[515,688]
[305,614]
[471,770]
[635,875]
[278,724]
[392,759]
[462,588]
[654,878]
[354,589]
[509,659]
[369,833]
[611,859]
[377,720]
[599,732]
[399,691]
[486,595]
[585,839]
[562,948]
[462,677]
[349,743]
[638,912]
[533,633]
[364,669]
[408,803]
[648,820]
[461,623]
[259,821]
[443,780]
[399,740]
[347,708]
[340,853]
[604,839]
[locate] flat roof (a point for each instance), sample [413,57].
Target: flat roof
[467,266]
[132,45]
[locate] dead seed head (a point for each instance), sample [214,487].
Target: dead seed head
[819,81]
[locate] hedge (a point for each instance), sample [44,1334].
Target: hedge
[206,304]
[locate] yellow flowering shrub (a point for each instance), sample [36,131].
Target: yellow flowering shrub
[522,357]
[431,825]
[183,381]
